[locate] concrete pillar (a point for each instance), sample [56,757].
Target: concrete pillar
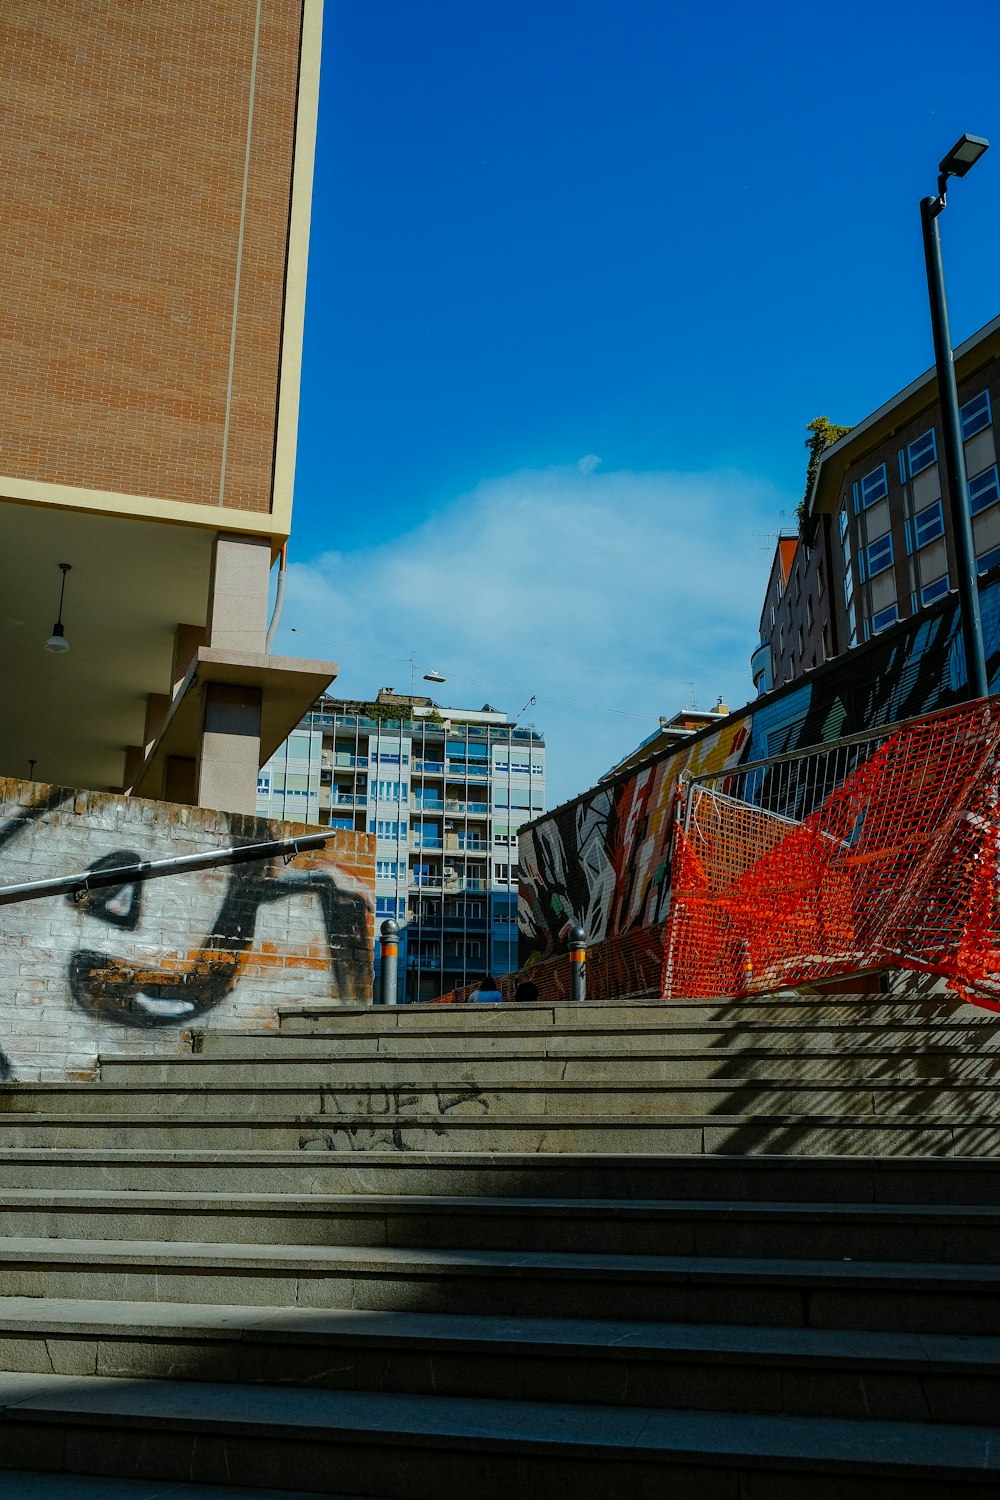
[180,780]
[230,748]
[237,606]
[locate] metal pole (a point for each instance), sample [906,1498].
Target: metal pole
[181,864]
[956,482]
[578,963]
[390,961]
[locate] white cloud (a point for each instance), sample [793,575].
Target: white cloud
[588,463]
[582,588]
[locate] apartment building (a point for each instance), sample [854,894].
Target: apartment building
[876,545]
[444,791]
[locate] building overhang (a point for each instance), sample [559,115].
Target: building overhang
[289,686]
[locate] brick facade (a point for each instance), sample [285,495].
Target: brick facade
[146,166]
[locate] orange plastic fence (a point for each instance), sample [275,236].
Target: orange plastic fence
[896,868]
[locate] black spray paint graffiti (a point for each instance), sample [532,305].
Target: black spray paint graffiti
[173,983]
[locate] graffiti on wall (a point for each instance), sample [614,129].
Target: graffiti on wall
[160,955]
[603,860]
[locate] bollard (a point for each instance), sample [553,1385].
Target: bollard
[577,963]
[390,961]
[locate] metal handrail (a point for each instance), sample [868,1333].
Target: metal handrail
[88,880]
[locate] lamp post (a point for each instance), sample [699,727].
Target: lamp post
[963,155]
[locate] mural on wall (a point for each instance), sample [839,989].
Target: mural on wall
[156,956]
[604,859]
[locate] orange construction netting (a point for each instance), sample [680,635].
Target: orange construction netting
[897,867]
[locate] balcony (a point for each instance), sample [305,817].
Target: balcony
[428,804]
[471,809]
[343,759]
[428,767]
[458,845]
[348,799]
[461,770]
[425,842]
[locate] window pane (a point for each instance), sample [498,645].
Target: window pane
[880,555]
[976,414]
[874,486]
[929,523]
[983,490]
[922,452]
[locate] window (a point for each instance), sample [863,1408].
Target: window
[387,906]
[928,524]
[988,560]
[820,581]
[392,791]
[386,869]
[922,452]
[809,612]
[885,618]
[983,490]
[843,523]
[800,639]
[385,828]
[976,415]
[880,555]
[848,584]
[781,641]
[826,640]
[874,486]
[932,591]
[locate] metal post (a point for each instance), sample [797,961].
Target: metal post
[390,961]
[956,482]
[577,963]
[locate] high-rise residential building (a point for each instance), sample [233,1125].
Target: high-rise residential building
[444,791]
[876,543]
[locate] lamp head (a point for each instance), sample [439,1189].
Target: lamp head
[963,155]
[57,640]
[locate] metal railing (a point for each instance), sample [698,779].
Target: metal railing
[789,786]
[88,880]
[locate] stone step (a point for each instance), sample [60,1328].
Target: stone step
[847,1180]
[660,1041]
[711,1367]
[638,1015]
[831,1065]
[636,1097]
[631,1226]
[385,1444]
[899,1134]
[898,1297]
[22,1484]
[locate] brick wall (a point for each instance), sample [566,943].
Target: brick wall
[122,166]
[135,968]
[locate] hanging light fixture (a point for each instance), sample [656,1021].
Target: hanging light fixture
[57,640]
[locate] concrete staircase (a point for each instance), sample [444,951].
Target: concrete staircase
[617,1250]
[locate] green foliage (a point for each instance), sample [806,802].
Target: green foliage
[822,432]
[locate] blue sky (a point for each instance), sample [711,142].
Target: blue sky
[580,275]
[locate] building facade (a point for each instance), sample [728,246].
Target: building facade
[877,545]
[445,792]
[156,172]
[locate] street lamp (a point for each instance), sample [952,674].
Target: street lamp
[962,156]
